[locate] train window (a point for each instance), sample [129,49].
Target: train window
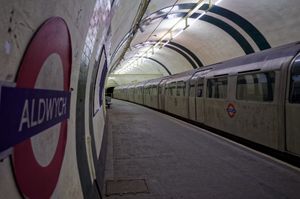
[192,90]
[148,90]
[295,82]
[180,88]
[154,90]
[163,89]
[183,88]
[256,87]
[170,90]
[200,88]
[173,88]
[217,88]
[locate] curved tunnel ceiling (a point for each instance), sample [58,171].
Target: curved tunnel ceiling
[213,31]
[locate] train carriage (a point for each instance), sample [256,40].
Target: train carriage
[131,92]
[196,96]
[139,92]
[255,97]
[162,93]
[152,93]
[176,94]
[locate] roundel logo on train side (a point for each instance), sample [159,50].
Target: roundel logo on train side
[231,111]
[45,107]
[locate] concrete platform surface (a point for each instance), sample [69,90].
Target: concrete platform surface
[178,160]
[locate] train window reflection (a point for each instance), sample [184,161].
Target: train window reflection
[181,88]
[200,88]
[192,90]
[256,87]
[295,82]
[217,88]
[171,89]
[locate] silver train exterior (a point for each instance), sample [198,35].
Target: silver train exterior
[255,97]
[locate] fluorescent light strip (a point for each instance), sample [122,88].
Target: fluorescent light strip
[200,3]
[218,2]
[166,43]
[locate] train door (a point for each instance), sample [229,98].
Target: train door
[192,99]
[156,89]
[293,109]
[200,100]
[172,99]
[162,94]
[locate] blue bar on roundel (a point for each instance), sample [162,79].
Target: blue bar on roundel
[27,112]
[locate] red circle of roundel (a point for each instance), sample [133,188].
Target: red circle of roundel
[34,180]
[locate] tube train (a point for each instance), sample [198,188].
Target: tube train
[254,97]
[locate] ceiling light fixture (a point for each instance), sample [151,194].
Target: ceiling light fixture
[218,2]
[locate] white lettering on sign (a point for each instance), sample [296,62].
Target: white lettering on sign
[45,109]
[42,105]
[25,116]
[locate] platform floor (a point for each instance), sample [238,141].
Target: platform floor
[180,160]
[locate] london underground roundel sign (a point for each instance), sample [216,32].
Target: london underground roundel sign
[231,111]
[33,179]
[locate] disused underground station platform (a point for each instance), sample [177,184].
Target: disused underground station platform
[155,156]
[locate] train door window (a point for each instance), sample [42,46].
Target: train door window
[217,88]
[183,88]
[154,89]
[192,89]
[173,89]
[180,88]
[163,89]
[160,89]
[167,89]
[295,82]
[200,85]
[256,87]
[170,90]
